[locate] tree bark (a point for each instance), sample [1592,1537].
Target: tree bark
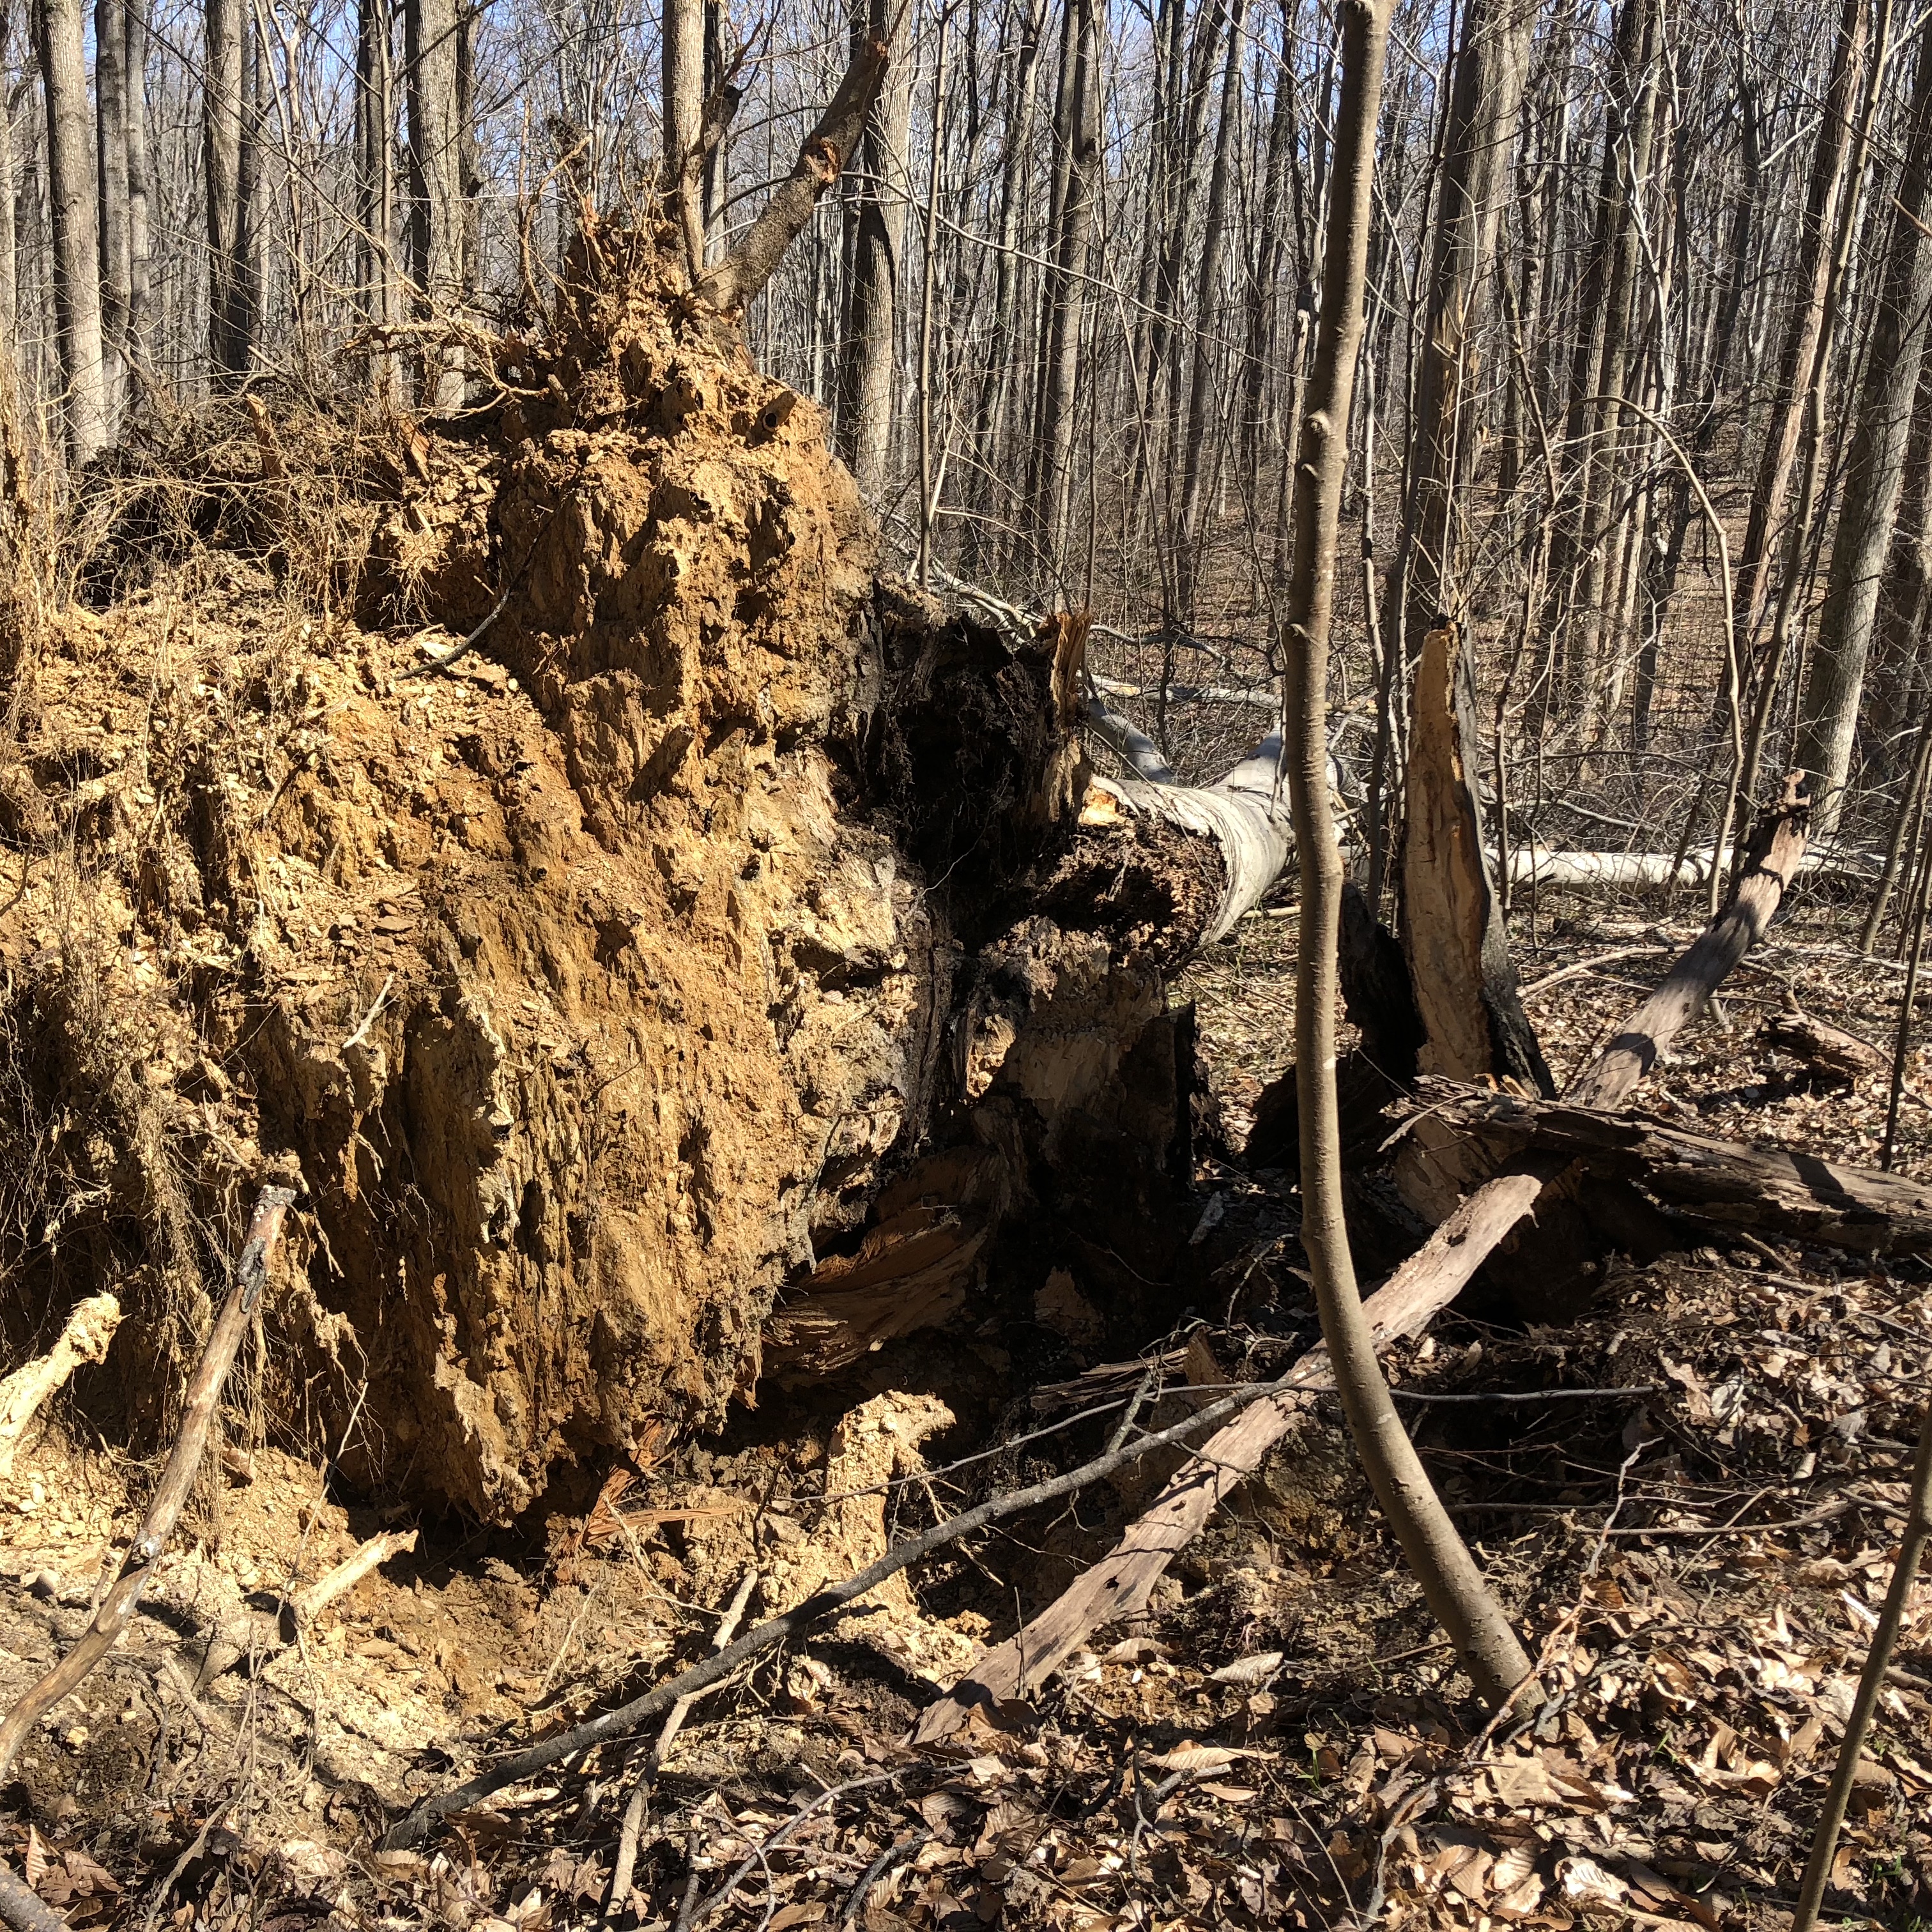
[737,279]
[1875,473]
[1492,67]
[1209,308]
[876,209]
[683,79]
[1725,1182]
[231,321]
[57,31]
[140,188]
[110,128]
[1077,133]
[1797,355]
[375,189]
[436,213]
[1454,1586]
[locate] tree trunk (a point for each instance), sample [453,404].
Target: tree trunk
[231,321]
[436,212]
[110,125]
[1798,356]
[375,190]
[683,79]
[1492,66]
[875,214]
[1441,1563]
[1209,309]
[1875,473]
[10,285]
[58,29]
[140,188]
[1077,132]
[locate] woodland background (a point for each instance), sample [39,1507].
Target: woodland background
[1060,307]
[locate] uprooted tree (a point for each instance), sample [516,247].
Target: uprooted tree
[698,983]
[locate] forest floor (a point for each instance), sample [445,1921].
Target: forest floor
[1688,1499]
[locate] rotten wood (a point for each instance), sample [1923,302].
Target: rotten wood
[1765,1190]
[1424,1284]
[123,1595]
[1829,1053]
[1453,927]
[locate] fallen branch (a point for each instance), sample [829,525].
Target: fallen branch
[628,1719]
[262,1637]
[118,1605]
[1411,1298]
[89,1329]
[1425,1284]
[640,1792]
[1797,1195]
[24,1910]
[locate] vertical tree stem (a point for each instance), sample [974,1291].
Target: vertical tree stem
[1455,1588]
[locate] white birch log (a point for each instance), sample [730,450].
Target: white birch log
[1245,813]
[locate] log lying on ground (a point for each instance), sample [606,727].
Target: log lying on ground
[1537,865]
[1245,813]
[1771,863]
[1426,1282]
[84,1339]
[1766,1190]
[1828,1053]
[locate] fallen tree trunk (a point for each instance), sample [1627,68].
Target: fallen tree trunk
[1538,865]
[1766,1190]
[1245,814]
[1771,863]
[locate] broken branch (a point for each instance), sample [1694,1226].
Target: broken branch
[118,1606]
[627,1719]
[89,1329]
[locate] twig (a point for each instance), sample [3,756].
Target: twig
[361,1033]
[1532,1395]
[24,1908]
[1871,1681]
[896,1853]
[640,1792]
[1581,966]
[475,636]
[118,1604]
[723,1895]
[628,1719]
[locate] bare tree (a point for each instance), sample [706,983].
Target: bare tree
[1875,470]
[58,33]
[876,202]
[1454,1586]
